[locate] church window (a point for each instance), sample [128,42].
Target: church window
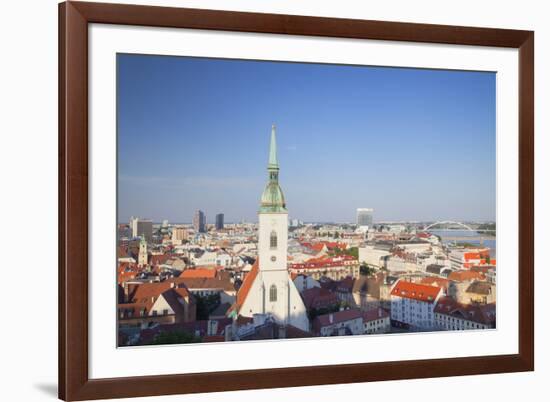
[273,240]
[273,293]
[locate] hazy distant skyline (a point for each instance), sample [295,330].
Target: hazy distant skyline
[413,144]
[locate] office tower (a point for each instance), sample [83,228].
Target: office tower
[364,217]
[219,221]
[199,222]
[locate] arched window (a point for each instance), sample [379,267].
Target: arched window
[273,240]
[273,293]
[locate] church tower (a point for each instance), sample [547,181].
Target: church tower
[273,217]
[142,256]
[268,289]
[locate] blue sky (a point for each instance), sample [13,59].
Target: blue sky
[413,144]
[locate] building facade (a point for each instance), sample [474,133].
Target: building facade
[364,217]
[142,227]
[199,221]
[335,268]
[451,315]
[219,221]
[179,235]
[413,304]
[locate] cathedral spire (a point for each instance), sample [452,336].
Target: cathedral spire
[273,199]
[273,150]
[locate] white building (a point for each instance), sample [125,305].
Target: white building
[376,321]
[413,304]
[268,288]
[372,256]
[364,218]
[345,322]
[303,282]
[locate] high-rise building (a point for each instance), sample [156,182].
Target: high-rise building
[142,227]
[364,217]
[199,222]
[219,221]
[295,223]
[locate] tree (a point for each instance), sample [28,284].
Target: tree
[315,312]
[366,270]
[353,251]
[206,304]
[169,338]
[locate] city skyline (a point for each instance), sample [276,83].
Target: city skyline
[185,144]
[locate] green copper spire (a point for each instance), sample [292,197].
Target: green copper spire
[273,199]
[273,149]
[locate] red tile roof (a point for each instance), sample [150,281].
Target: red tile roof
[416,291]
[319,297]
[483,314]
[375,314]
[198,273]
[158,259]
[461,276]
[337,317]
[247,284]
[434,281]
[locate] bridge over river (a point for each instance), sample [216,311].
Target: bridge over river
[451,231]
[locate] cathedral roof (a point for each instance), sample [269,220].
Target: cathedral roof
[245,288]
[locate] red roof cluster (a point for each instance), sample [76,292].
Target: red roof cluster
[330,245]
[323,262]
[483,314]
[416,291]
[435,281]
[462,276]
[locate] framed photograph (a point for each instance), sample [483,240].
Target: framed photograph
[261,200]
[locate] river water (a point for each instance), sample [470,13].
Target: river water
[444,234]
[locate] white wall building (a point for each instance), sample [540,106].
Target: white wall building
[372,255]
[303,282]
[413,304]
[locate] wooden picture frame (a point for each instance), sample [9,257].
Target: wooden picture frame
[74,381]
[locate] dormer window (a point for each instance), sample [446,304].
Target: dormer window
[273,240]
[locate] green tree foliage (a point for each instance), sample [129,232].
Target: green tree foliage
[367,270]
[315,312]
[206,304]
[169,338]
[353,251]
